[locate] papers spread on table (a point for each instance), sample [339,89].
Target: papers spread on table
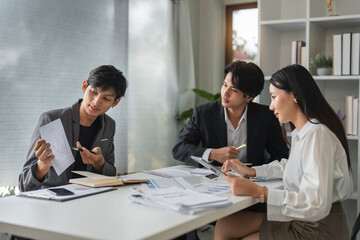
[54,134]
[212,188]
[78,190]
[99,180]
[196,183]
[181,200]
[168,173]
[201,171]
[205,171]
[173,189]
[180,182]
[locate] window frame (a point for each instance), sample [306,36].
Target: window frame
[229,26]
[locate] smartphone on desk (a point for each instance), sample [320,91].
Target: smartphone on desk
[60,191]
[211,176]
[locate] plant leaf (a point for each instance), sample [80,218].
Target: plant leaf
[185,114]
[217,97]
[204,94]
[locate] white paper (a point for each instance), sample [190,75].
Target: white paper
[54,134]
[212,188]
[201,171]
[168,172]
[180,182]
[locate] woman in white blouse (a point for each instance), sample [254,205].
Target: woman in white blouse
[316,177]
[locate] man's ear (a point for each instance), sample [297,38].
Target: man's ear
[84,85]
[248,99]
[116,102]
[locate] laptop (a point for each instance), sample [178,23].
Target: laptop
[208,166]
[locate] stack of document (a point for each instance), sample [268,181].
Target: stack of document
[181,200]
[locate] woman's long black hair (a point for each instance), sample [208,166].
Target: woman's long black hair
[298,80]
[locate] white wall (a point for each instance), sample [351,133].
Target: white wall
[207,18]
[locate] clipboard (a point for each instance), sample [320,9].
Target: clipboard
[78,190]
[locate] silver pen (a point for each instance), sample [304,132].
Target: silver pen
[241,146]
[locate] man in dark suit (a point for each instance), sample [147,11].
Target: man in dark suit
[86,126]
[216,129]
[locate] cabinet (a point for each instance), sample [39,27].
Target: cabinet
[284,21]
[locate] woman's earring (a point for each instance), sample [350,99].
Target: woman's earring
[295,100]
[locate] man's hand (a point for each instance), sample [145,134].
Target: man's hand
[96,160]
[43,153]
[222,154]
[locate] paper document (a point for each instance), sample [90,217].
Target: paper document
[197,183]
[54,134]
[212,188]
[201,171]
[187,182]
[168,173]
[176,199]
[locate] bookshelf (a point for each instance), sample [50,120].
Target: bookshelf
[284,21]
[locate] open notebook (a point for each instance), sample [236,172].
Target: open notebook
[98,180]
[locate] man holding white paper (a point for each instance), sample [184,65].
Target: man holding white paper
[85,125]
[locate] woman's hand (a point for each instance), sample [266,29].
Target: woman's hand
[96,160]
[243,187]
[238,167]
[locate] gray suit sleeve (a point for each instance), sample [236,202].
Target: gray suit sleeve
[27,179]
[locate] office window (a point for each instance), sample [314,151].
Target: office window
[152,102]
[242,32]
[47,50]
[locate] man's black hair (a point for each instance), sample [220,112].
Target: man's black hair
[107,77]
[247,77]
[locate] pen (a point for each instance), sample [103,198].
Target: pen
[246,163]
[241,146]
[80,150]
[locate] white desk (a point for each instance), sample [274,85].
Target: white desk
[105,216]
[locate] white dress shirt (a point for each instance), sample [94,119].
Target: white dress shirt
[235,137]
[314,177]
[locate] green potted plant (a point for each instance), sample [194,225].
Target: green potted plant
[185,115]
[322,63]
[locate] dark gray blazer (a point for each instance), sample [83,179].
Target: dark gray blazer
[70,119]
[207,125]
